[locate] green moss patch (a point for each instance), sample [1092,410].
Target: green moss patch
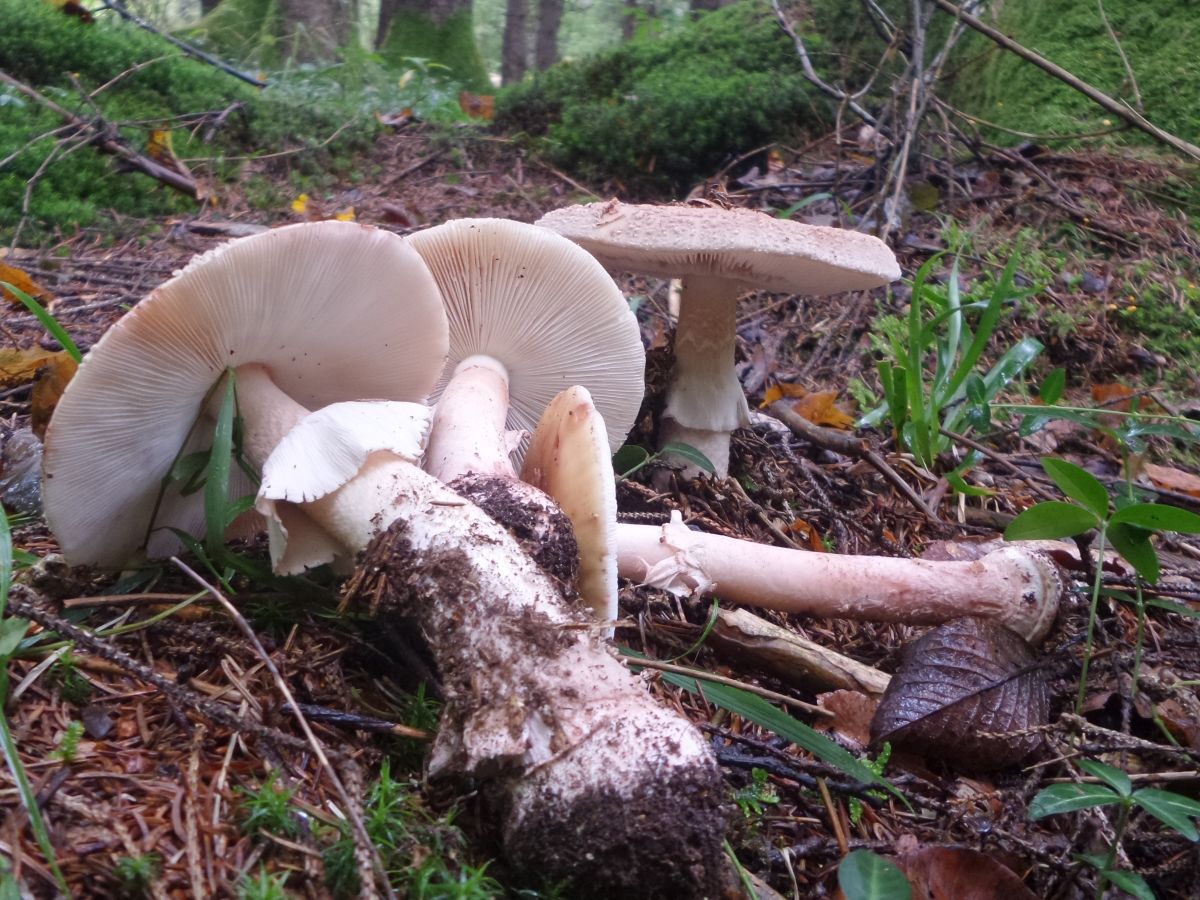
[450,44]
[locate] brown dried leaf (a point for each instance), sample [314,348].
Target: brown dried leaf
[20,366]
[949,873]
[1173,479]
[852,716]
[478,106]
[48,386]
[21,280]
[961,692]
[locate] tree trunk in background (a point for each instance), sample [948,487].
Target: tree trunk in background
[315,29]
[549,16]
[207,6]
[514,58]
[709,5]
[437,30]
[629,19]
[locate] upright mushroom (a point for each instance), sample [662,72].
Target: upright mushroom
[305,316]
[530,314]
[719,253]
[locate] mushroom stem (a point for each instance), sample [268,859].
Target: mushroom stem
[267,413]
[705,401]
[468,435]
[553,727]
[1018,587]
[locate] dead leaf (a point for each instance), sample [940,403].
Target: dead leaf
[346,215]
[48,386]
[478,106]
[1113,396]
[952,873]
[21,280]
[819,407]
[809,535]
[300,204]
[1173,479]
[852,711]
[966,692]
[20,366]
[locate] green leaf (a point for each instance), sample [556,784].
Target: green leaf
[237,507]
[801,204]
[189,471]
[48,321]
[1173,810]
[1171,606]
[1113,777]
[1052,388]
[1048,520]
[216,487]
[629,459]
[11,633]
[690,453]
[1134,545]
[1064,798]
[863,875]
[1131,883]
[1158,517]
[1078,484]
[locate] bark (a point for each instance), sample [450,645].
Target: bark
[439,11]
[315,28]
[549,17]
[629,19]
[514,57]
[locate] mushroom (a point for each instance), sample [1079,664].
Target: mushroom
[530,314]
[305,316]
[1017,584]
[719,253]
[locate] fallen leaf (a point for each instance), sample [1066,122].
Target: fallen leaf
[1113,396]
[20,366]
[809,535]
[820,408]
[478,106]
[967,692]
[346,215]
[953,873]
[851,721]
[21,280]
[48,386]
[1173,479]
[300,204]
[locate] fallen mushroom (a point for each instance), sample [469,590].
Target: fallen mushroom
[304,315]
[719,253]
[530,314]
[1017,587]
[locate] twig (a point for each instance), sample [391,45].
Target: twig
[353,813]
[996,457]
[189,49]
[849,445]
[731,682]
[1133,85]
[1122,110]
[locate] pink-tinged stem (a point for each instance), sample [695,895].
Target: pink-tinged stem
[468,434]
[1016,586]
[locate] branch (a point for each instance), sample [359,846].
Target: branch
[1121,110]
[108,142]
[194,52]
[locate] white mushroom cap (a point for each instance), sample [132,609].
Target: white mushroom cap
[327,449]
[547,311]
[314,303]
[741,245]
[569,459]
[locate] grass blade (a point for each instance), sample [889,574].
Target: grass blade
[48,321]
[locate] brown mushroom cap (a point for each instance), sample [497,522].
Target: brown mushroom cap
[737,244]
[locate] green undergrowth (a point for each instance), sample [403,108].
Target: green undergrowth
[151,85]
[661,111]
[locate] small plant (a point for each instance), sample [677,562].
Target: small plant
[1173,810]
[263,886]
[1128,527]
[921,408]
[68,744]
[632,458]
[754,797]
[135,874]
[269,809]
[863,875]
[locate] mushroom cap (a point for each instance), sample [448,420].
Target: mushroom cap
[324,451]
[315,303]
[741,245]
[569,459]
[542,307]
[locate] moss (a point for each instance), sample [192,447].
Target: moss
[451,44]
[246,30]
[1158,36]
[660,112]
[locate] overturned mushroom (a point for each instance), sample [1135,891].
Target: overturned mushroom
[305,316]
[719,253]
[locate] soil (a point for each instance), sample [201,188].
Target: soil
[160,773]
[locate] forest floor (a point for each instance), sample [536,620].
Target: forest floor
[174,796]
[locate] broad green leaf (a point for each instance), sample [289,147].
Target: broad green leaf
[1049,520]
[11,633]
[1171,606]
[1134,545]
[1174,810]
[863,875]
[1131,883]
[1113,777]
[1078,484]
[189,471]
[1064,798]
[1052,388]
[1158,517]
[629,459]
[690,453]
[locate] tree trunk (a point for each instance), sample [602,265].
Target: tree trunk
[708,5]
[549,16]
[315,29]
[436,30]
[440,11]
[515,55]
[629,19]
